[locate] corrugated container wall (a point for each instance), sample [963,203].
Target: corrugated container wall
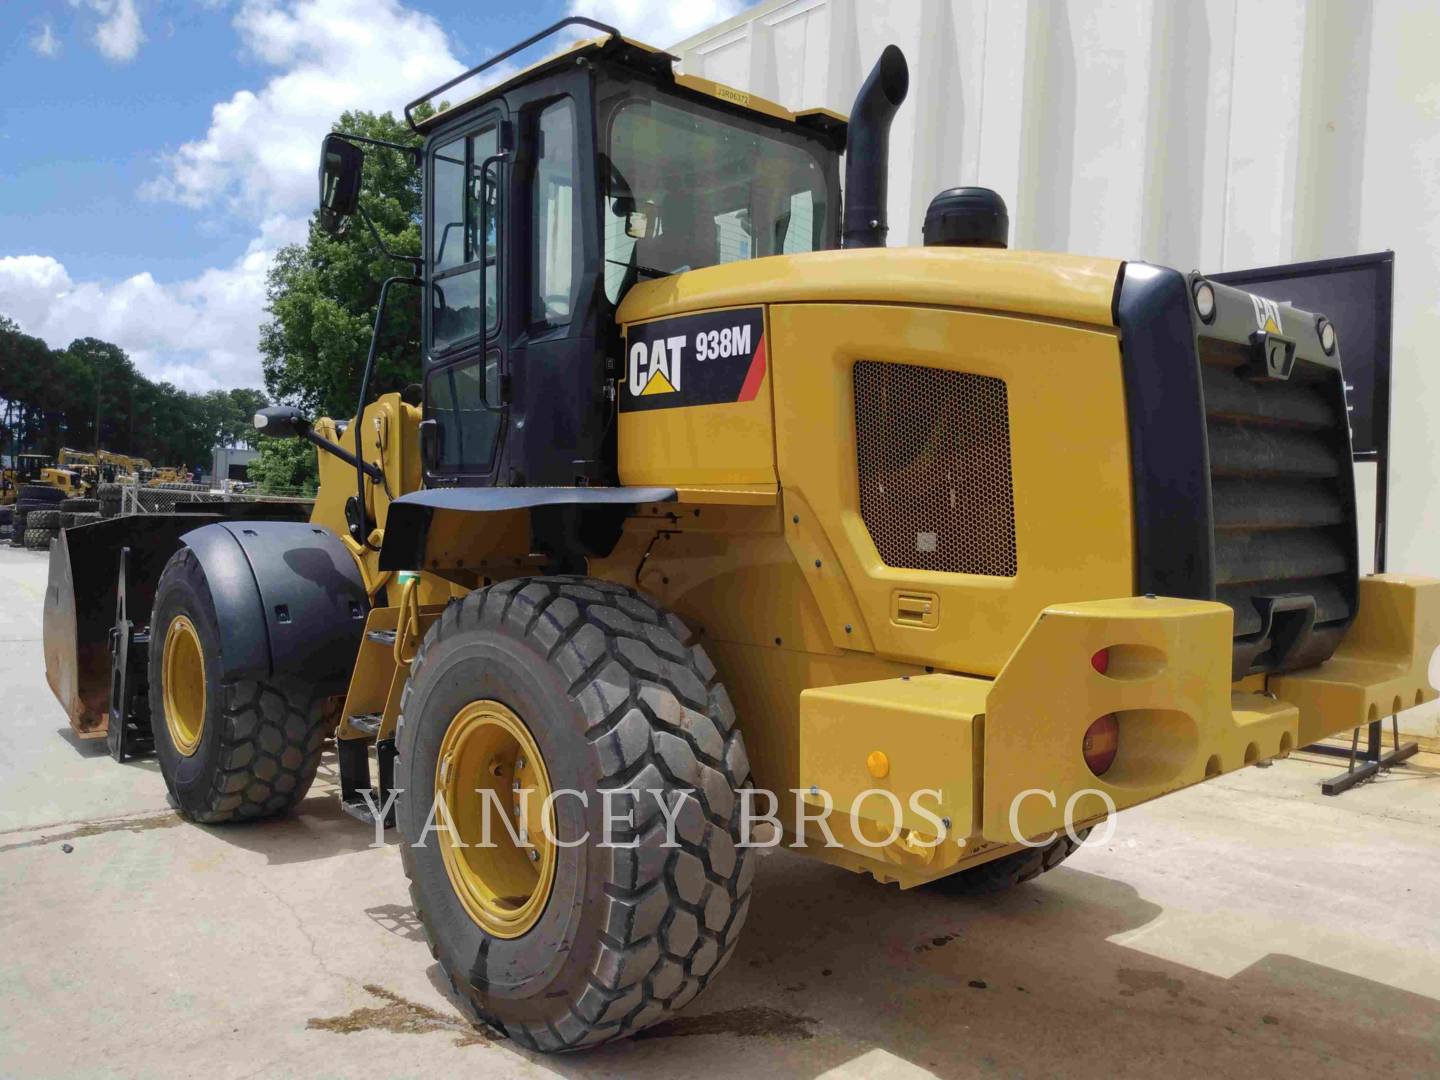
[1202,134]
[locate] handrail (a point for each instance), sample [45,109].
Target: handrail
[362,467]
[573,20]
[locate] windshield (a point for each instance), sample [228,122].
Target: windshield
[688,186]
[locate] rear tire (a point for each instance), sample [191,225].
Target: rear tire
[617,695]
[1006,872]
[257,743]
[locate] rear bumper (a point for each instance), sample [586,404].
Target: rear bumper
[1168,684]
[1007,756]
[1386,664]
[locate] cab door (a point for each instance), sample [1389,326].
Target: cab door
[466,185]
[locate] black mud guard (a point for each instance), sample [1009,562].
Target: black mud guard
[289,599]
[567,520]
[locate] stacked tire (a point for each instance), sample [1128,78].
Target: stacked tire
[33,498]
[79,512]
[44,520]
[7,517]
[42,526]
[109,500]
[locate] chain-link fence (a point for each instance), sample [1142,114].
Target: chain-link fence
[135,498]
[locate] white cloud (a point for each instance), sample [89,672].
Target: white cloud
[118,34]
[257,160]
[199,334]
[260,153]
[45,42]
[658,22]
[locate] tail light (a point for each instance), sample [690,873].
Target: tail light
[1102,740]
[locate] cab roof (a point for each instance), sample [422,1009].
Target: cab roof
[646,59]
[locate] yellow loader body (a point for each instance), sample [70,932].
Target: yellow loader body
[978,685]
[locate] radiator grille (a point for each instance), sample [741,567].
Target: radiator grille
[933,452]
[1279,469]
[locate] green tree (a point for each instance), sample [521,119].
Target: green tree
[99,378]
[28,398]
[229,416]
[322,294]
[245,402]
[285,467]
[51,398]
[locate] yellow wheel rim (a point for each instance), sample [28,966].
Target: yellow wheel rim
[503,886]
[183,669]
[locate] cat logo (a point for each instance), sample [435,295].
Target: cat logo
[1267,314]
[708,358]
[655,366]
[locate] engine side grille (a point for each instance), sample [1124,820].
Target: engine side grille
[1281,504]
[933,450]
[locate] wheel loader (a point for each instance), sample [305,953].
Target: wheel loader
[714,522]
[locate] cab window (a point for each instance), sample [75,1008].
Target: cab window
[463,247]
[689,186]
[554,214]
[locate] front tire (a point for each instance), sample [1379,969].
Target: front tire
[612,693]
[229,751]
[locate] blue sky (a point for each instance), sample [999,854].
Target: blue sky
[155,153]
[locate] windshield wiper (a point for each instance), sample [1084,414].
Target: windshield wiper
[641,269]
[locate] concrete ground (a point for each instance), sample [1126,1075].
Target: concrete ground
[1248,927]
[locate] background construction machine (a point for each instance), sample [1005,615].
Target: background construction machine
[708,490]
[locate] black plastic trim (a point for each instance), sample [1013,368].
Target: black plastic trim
[1169,451]
[598,514]
[482,500]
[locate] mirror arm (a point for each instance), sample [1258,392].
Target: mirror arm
[372,471]
[361,468]
[414,153]
[414,260]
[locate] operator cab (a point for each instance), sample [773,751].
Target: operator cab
[547,198]
[29,467]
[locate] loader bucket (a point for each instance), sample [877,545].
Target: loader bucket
[81,593]
[80,604]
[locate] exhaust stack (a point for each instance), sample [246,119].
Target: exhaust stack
[867,150]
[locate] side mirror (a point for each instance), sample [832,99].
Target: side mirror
[640,221]
[340,165]
[282,422]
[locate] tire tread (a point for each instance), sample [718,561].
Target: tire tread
[653,958]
